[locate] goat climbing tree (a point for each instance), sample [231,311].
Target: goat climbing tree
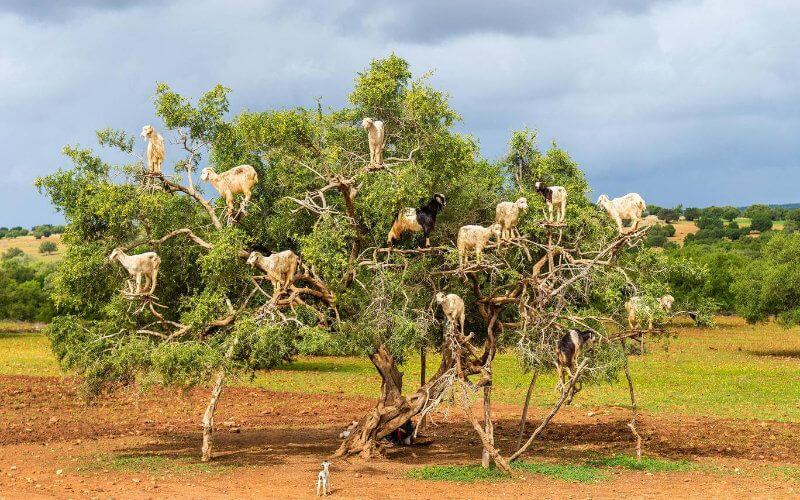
[321,197]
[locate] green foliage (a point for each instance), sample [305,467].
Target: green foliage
[12,253]
[654,210]
[310,162]
[48,247]
[760,221]
[768,286]
[692,213]
[658,234]
[706,222]
[727,212]
[26,287]
[670,214]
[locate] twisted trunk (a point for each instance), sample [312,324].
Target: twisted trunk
[392,409]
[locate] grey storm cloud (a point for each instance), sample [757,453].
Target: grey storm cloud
[59,10]
[427,21]
[683,101]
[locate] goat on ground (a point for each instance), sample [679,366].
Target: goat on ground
[417,219]
[323,480]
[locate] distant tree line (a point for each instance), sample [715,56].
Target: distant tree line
[42,231]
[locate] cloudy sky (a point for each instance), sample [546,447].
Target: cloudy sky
[685,101]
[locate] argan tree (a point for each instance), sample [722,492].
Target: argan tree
[318,195]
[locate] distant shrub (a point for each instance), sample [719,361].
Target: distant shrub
[761,221]
[12,252]
[48,247]
[692,213]
[706,222]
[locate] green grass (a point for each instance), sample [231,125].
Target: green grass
[150,464]
[784,472]
[593,471]
[457,473]
[746,222]
[647,464]
[733,371]
[26,354]
[564,472]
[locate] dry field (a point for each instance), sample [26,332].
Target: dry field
[30,246]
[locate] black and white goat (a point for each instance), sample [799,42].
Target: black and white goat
[554,197]
[417,219]
[569,349]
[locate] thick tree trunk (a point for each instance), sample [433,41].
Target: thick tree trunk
[392,409]
[208,417]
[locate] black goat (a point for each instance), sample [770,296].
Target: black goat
[417,219]
[569,348]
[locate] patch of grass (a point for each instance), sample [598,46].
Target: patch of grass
[26,354]
[785,472]
[734,370]
[647,464]
[151,464]
[457,473]
[565,472]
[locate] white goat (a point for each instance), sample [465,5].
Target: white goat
[475,238]
[323,480]
[377,136]
[507,215]
[237,180]
[453,309]
[638,310]
[142,266]
[155,149]
[554,196]
[629,206]
[280,268]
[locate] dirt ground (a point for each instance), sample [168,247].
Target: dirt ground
[269,445]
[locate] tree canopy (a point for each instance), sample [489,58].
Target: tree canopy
[319,196]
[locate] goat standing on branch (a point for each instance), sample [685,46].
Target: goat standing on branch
[639,310]
[554,196]
[155,149]
[507,215]
[569,349]
[376,136]
[475,238]
[417,219]
[141,267]
[453,309]
[280,268]
[238,180]
[631,206]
